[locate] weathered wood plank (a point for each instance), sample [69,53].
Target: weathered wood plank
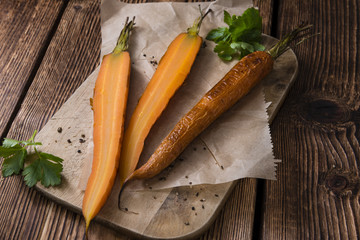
[71,56]
[25,29]
[236,219]
[266,8]
[316,133]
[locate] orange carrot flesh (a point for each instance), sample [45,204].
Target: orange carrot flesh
[173,69]
[233,86]
[109,106]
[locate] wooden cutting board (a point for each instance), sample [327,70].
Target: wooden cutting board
[176,213]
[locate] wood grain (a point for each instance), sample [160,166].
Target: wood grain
[25,29]
[316,133]
[72,54]
[266,8]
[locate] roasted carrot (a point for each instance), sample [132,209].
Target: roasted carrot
[109,105]
[234,85]
[172,71]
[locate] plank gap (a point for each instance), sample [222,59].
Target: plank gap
[34,71]
[274,18]
[259,204]
[260,183]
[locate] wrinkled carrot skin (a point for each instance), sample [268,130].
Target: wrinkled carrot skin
[172,71]
[232,87]
[109,105]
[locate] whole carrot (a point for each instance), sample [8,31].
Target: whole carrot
[171,73]
[233,86]
[109,105]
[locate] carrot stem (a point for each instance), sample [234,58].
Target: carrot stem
[195,28]
[122,42]
[293,37]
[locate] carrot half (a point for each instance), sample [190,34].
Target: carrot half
[172,71]
[248,72]
[109,105]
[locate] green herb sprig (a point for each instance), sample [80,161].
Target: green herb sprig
[243,36]
[42,166]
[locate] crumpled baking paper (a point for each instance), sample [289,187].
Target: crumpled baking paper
[235,146]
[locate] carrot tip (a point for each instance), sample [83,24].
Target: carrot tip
[122,185]
[87,222]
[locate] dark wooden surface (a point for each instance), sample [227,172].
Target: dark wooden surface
[48,48]
[317,131]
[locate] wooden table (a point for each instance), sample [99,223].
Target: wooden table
[48,48]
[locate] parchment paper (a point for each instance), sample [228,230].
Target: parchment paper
[238,144]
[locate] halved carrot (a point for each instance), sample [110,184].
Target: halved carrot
[172,70]
[109,105]
[233,86]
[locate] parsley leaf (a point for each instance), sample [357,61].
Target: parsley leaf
[224,50]
[46,168]
[8,143]
[242,37]
[218,34]
[13,159]
[227,18]
[32,173]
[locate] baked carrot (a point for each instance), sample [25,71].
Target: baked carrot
[234,85]
[109,105]
[172,71]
